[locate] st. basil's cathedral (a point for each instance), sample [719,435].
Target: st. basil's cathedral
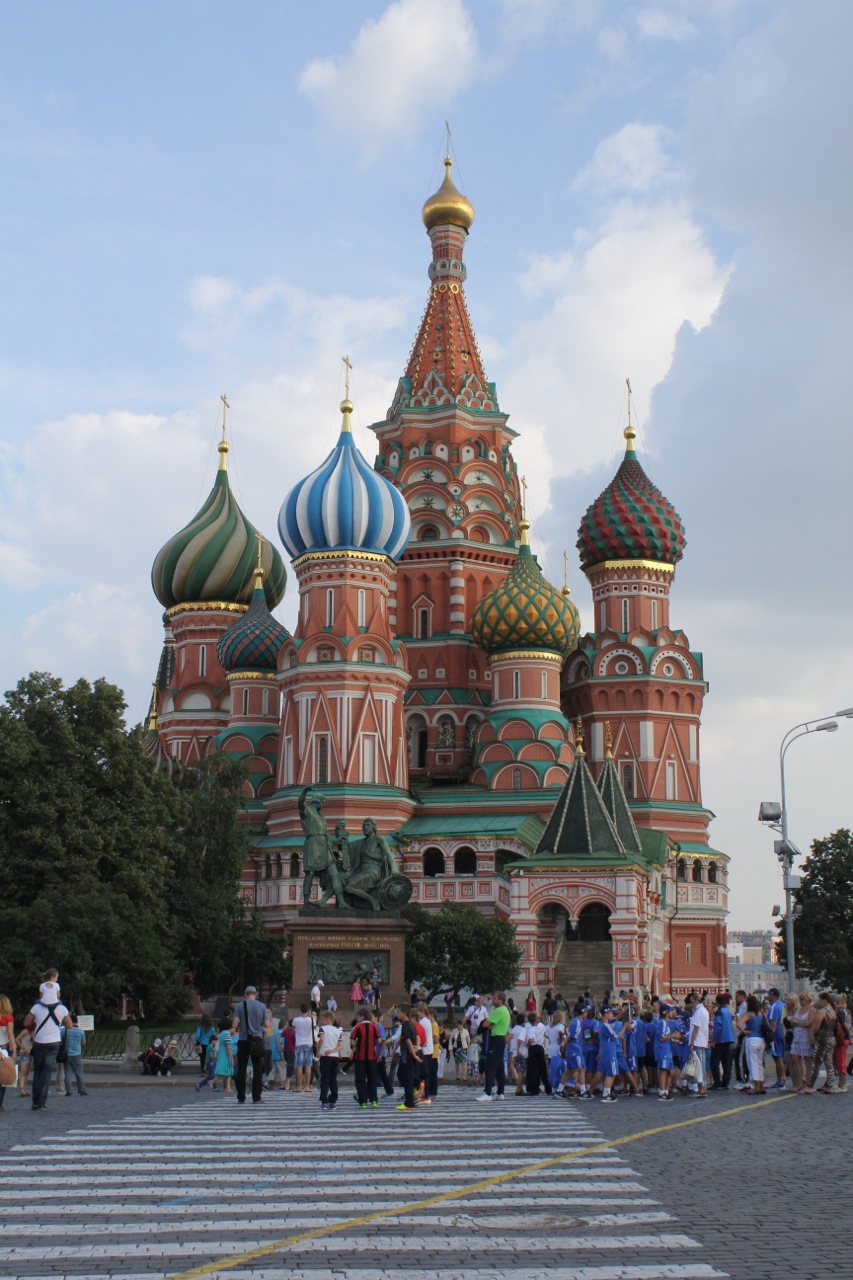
[438,684]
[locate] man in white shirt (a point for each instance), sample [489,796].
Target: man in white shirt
[425,1022]
[537,1067]
[329,1050]
[45,1022]
[303,1056]
[316,994]
[699,1033]
[477,1014]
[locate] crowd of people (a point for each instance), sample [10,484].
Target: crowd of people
[619,1046]
[623,1045]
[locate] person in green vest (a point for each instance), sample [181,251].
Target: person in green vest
[494,1029]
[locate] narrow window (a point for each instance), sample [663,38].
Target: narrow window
[322,760]
[516,779]
[628,781]
[245,702]
[368,758]
[265,702]
[681,871]
[423,624]
[362,607]
[671,781]
[687,952]
[697,872]
[654,615]
[544,686]
[330,607]
[626,615]
[712,873]
[516,684]
[202,659]
[288,762]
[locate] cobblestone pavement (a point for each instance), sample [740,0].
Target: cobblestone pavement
[137,1183]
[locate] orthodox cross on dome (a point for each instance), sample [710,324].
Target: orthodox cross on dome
[566,591]
[629,432]
[524,497]
[259,567]
[348,371]
[223,443]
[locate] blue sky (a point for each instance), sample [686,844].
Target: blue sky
[201,198]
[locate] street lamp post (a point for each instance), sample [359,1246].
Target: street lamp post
[776,817]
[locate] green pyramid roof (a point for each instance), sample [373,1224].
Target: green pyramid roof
[580,824]
[611,792]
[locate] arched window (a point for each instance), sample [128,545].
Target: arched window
[322,760]
[429,533]
[465,862]
[628,781]
[543,686]
[712,873]
[278,866]
[423,624]
[697,872]
[516,779]
[330,607]
[362,607]
[671,781]
[428,449]
[268,868]
[294,866]
[654,615]
[433,862]
[245,702]
[626,615]
[202,659]
[681,869]
[416,733]
[516,684]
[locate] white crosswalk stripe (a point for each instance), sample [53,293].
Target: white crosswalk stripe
[152,1196]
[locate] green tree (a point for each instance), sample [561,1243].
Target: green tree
[823,927]
[459,947]
[84,851]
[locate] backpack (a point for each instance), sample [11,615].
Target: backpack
[767,1032]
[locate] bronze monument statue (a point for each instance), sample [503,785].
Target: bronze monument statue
[357,873]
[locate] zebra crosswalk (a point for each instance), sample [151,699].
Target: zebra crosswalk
[285,1192]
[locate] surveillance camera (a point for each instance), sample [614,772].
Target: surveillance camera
[769,811]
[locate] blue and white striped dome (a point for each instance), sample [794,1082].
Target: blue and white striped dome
[345,506]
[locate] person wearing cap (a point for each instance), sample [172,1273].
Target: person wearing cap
[252,1020]
[777,1049]
[317,994]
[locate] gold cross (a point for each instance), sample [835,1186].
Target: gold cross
[225,407]
[524,497]
[348,365]
[628,385]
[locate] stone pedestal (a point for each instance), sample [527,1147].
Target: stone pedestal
[339,946]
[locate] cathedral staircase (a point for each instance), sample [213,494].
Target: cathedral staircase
[581,965]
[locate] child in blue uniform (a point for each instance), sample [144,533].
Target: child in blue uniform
[575,1076]
[608,1040]
[590,1045]
[667,1041]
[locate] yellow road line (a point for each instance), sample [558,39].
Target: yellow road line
[333,1228]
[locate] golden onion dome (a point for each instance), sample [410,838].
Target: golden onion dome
[525,612]
[448,207]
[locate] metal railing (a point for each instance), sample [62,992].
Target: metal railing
[111,1046]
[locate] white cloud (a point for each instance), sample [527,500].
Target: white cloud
[659,23]
[17,566]
[634,160]
[415,58]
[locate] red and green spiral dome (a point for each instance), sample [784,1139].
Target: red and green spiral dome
[630,519]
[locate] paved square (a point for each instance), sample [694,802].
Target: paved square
[504,1191]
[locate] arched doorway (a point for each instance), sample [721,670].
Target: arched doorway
[585,959]
[594,923]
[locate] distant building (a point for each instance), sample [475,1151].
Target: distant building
[436,682]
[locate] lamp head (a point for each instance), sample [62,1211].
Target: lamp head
[828,726]
[847,713]
[769,811]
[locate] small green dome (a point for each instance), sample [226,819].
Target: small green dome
[253,642]
[525,611]
[213,557]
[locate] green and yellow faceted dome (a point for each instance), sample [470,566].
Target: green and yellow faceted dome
[212,559]
[525,611]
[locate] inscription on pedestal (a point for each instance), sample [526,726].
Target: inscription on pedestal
[338,968]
